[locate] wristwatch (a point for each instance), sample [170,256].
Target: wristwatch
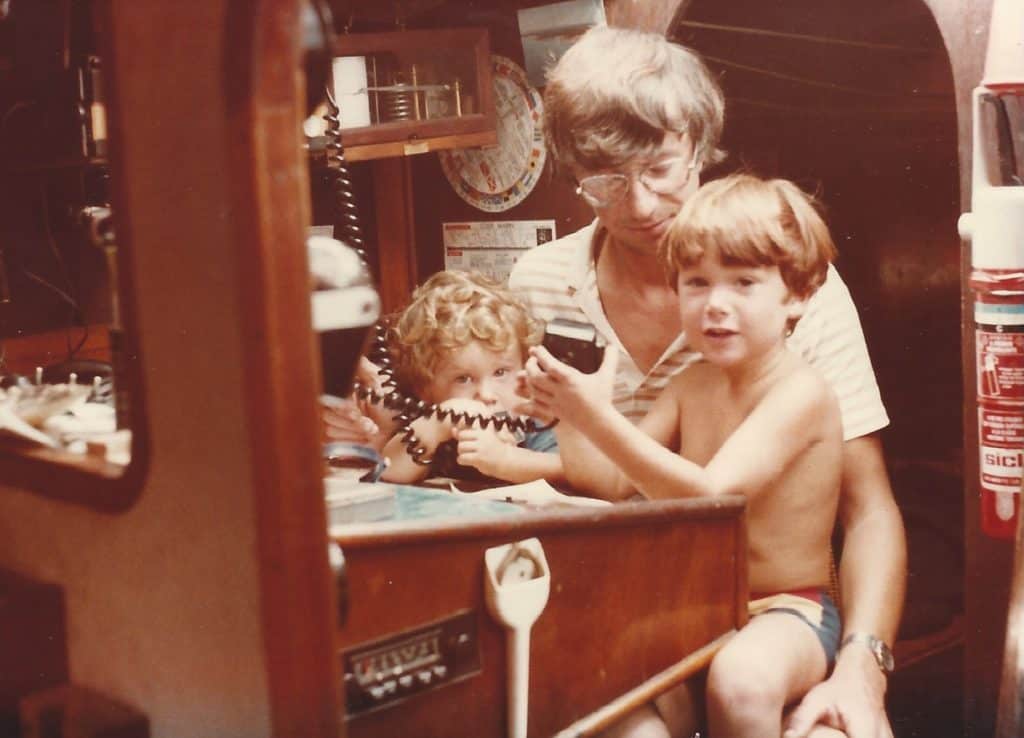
[876,646]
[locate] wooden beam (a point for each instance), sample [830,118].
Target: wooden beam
[396,240]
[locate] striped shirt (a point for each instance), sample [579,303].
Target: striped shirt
[558,280]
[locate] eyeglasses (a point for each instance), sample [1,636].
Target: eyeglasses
[662,177]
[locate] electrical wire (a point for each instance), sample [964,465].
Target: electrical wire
[812,82]
[828,40]
[837,111]
[76,310]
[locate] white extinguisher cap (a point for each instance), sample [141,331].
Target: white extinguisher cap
[1004,62]
[995,228]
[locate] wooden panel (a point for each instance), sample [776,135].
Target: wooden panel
[396,241]
[988,562]
[23,354]
[265,101]
[634,589]
[420,146]
[1011,692]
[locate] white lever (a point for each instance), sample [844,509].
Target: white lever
[517,582]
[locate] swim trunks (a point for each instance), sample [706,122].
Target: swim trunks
[812,605]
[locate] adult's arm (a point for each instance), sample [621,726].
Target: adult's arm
[872,580]
[358,421]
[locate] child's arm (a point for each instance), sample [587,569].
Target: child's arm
[401,468]
[431,433]
[587,468]
[784,423]
[502,459]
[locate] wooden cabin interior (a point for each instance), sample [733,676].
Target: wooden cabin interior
[174,577]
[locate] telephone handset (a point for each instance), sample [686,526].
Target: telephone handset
[574,343]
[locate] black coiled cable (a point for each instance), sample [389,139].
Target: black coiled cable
[409,409]
[346,211]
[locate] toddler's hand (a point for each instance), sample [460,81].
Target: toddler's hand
[486,450]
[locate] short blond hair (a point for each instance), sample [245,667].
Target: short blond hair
[748,220]
[615,94]
[448,311]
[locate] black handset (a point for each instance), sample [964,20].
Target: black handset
[574,343]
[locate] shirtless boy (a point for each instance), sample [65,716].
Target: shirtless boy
[752,418]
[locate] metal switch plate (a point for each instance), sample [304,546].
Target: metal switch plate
[384,672]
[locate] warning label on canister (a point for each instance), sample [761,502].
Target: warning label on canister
[1002,448]
[1000,365]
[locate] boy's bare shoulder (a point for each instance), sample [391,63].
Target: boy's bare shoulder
[806,386]
[700,375]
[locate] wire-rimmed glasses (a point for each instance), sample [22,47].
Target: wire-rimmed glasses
[662,177]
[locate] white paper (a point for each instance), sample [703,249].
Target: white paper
[492,247]
[350,91]
[538,493]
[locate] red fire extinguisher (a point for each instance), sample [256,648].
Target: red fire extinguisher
[995,227]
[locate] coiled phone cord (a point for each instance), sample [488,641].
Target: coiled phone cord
[408,408]
[346,210]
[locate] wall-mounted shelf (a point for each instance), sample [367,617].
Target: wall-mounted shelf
[410,92]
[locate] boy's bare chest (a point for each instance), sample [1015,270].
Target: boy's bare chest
[703,428]
[708,416]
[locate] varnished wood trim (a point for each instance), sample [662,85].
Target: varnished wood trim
[396,231]
[264,91]
[654,687]
[537,522]
[419,145]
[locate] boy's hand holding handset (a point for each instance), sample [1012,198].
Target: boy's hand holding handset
[560,391]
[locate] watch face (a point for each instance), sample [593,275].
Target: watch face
[883,655]
[877,647]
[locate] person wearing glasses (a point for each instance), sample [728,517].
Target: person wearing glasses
[633,119]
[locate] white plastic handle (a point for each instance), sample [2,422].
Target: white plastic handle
[517,583]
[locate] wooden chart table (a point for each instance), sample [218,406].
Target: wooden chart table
[635,589]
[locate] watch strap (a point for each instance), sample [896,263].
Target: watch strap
[878,648]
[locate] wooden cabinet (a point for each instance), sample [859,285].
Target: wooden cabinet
[410,92]
[639,591]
